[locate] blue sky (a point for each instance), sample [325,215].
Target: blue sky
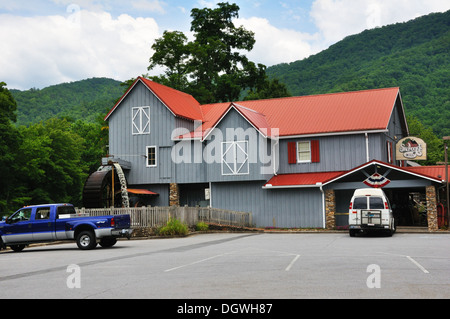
[46,42]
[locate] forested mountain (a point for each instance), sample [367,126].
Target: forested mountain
[84,99]
[414,56]
[59,136]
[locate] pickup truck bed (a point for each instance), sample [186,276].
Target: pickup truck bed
[55,222]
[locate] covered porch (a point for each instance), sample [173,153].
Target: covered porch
[413,194]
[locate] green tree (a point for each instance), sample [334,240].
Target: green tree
[171,50]
[435,146]
[51,168]
[212,67]
[9,144]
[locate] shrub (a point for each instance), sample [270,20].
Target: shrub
[201,226]
[174,228]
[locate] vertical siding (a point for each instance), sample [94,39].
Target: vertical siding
[287,207]
[233,127]
[337,153]
[132,148]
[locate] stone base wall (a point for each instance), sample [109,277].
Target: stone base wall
[174,195]
[431,208]
[330,209]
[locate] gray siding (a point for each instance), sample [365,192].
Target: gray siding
[132,148]
[337,153]
[233,127]
[276,207]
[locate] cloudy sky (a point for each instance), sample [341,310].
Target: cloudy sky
[46,42]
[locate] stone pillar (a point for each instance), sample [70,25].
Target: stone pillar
[330,209]
[431,208]
[174,195]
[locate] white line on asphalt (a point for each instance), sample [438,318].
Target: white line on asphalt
[292,263]
[418,265]
[195,262]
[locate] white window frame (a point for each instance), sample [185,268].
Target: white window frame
[305,152]
[147,156]
[234,167]
[140,120]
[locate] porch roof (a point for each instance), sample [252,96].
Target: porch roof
[317,179]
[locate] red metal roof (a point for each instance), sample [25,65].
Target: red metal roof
[311,179]
[315,114]
[179,103]
[301,179]
[367,110]
[437,171]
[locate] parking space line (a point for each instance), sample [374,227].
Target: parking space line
[292,263]
[418,265]
[195,262]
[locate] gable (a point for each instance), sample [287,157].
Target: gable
[178,103]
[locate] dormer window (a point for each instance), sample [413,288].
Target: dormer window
[141,120]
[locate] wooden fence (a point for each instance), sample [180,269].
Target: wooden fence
[144,217]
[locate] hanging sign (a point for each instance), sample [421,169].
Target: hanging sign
[376,181]
[411,148]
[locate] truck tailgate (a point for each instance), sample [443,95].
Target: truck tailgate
[121,221]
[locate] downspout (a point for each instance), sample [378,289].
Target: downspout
[210,195]
[323,205]
[274,157]
[367,147]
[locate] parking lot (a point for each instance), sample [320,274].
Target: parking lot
[236,265]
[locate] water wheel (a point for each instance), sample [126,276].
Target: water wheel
[102,189]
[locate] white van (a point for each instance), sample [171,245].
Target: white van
[370,211]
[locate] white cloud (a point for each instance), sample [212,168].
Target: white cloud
[151,6]
[337,19]
[45,50]
[274,45]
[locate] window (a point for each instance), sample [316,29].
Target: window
[140,120]
[303,152]
[151,156]
[235,158]
[65,210]
[24,214]
[376,203]
[360,203]
[42,213]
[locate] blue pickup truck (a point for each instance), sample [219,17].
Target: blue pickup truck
[55,222]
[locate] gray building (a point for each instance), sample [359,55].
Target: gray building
[292,162]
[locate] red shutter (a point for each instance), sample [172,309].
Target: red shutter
[315,151]
[292,152]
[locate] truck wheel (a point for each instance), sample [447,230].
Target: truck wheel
[108,242]
[17,248]
[86,240]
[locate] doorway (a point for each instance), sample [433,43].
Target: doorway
[409,206]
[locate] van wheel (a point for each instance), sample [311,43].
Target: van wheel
[352,232]
[86,240]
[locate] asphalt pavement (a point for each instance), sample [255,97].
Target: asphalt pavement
[235,266]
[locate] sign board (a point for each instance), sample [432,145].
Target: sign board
[411,148]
